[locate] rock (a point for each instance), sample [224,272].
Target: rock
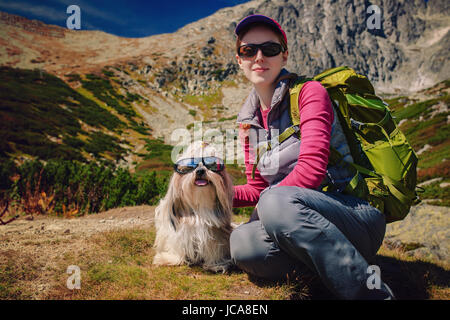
[147,69]
[438,108]
[428,182]
[133,67]
[67,231]
[207,51]
[424,233]
[408,41]
[425,148]
[160,81]
[402,122]
[425,253]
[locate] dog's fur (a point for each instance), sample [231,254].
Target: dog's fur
[193,223]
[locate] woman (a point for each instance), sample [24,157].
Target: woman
[297,224]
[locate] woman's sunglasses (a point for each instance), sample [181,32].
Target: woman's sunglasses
[184,166]
[269,49]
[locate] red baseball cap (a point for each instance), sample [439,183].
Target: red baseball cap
[259,18]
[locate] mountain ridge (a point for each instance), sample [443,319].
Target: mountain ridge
[191,75]
[414,38]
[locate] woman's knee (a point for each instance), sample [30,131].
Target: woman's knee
[269,205]
[236,237]
[279,208]
[242,245]
[253,252]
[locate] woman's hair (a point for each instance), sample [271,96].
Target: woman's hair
[260,24]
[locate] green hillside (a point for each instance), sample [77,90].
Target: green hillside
[426,125]
[43,117]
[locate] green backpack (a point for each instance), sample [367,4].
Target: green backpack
[385,165]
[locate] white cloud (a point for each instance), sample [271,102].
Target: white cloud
[46,12]
[94,12]
[51,14]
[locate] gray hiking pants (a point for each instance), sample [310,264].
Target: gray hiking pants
[331,233]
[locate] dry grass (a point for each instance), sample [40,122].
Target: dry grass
[117,264]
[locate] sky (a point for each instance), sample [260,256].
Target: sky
[126,18]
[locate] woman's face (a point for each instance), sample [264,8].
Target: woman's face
[259,69]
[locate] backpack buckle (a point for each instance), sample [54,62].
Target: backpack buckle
[356,124]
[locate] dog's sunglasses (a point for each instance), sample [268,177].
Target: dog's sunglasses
[269,49]
[187,165]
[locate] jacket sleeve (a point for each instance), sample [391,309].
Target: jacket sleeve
[247,195]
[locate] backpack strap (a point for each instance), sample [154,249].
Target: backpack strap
[295,84]
[267,145]
[329,72]
[294,93]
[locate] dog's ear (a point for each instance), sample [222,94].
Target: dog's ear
[170,205]
[228,186]
[224,203]
[223,214]
[173,216]
[226,198]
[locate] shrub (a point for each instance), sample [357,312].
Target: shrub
[79,187]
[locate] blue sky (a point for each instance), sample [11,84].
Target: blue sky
[126,18]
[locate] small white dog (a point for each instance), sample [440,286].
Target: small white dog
[193,220]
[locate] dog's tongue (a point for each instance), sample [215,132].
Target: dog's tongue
[201,182]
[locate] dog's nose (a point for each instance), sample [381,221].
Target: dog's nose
[200,171]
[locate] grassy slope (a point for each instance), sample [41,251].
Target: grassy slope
[422,126]
[35,106]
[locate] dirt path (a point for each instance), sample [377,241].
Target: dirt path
[18,233]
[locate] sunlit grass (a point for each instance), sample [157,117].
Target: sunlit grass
[119,266]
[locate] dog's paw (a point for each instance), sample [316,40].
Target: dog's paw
[167,259]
